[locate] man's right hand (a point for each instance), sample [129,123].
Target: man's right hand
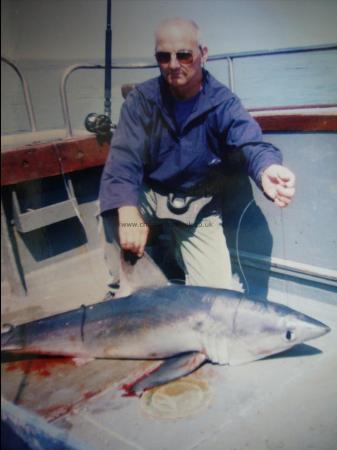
[133,231]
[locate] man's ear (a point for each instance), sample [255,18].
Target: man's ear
[204,53]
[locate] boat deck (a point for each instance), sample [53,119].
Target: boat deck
[288,401]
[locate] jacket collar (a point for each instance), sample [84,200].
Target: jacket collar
[212,94]
[158,90]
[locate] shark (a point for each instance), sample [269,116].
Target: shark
[182,326]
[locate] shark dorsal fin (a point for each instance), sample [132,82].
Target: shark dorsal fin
[138,273]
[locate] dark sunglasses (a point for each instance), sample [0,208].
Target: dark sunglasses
[183,56]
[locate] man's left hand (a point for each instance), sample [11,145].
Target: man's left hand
[278,183]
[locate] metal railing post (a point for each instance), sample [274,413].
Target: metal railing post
[231,83]
[26,92]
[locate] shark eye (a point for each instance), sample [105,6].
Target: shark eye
[290,335]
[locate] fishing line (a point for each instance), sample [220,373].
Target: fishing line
[71,195]
[285,282]
[237,245]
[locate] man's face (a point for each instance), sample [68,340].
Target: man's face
[184,78]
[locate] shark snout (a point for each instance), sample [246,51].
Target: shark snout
[318,329]
[308,328]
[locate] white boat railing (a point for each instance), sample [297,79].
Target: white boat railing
[228,57]
[26,92]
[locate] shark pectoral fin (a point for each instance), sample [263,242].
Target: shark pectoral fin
[169,370]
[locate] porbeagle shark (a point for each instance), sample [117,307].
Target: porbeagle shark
[153,319]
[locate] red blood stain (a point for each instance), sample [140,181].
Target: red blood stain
[41,366]
[128,388]
[54,412]
[88,395]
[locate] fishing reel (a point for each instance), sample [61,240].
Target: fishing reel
[101,125]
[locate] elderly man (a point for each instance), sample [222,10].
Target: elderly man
[173,132]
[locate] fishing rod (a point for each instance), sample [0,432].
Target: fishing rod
[108,49]
[101,124]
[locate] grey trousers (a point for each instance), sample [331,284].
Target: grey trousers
[200,249]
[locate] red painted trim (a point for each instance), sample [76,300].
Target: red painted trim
[291,107]
[45,160]
[32,162]
[297,122]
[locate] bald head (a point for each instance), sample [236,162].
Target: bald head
[178,41]
[178,27]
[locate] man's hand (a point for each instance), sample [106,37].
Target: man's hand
[278,183]
[133,231]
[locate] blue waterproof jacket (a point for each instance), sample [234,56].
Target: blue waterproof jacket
[149,146]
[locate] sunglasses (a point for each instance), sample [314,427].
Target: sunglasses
[183,56]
